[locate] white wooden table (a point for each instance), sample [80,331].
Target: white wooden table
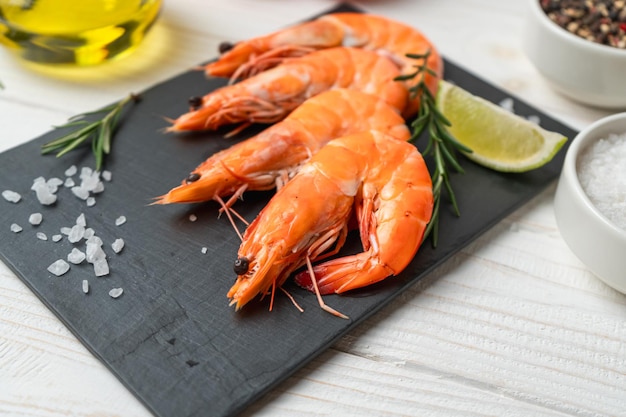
[513,325]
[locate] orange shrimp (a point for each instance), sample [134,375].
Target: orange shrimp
[271,95]
[388,37]
[386,182]
[270,158]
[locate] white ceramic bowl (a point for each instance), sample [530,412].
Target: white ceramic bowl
[595,240]
[582,70]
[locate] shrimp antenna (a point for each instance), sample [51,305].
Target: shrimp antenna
[321,302]
[227,210]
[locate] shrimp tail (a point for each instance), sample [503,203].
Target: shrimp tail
[344,274]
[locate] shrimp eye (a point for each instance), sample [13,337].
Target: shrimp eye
[241,265]
[193,177]
[195,102]
[225,47]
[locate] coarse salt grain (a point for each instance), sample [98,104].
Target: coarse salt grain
[533,118]
[16,228]
[507,104]
[76,256]
[91,201]
[193,217]
[44,194]
[71,171]
[204,250]
[118,245]
[94,250]
[53,184]
[116,292]
[41,236]
[602,175]
[101,267]
[59,267]
[11,196]
[80,192]
[56,238]
[35,219]
[85,286]
[120,220]
[76,233]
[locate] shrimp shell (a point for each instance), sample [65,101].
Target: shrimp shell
[270,95]
[270,158]
[388,37]
[386,182]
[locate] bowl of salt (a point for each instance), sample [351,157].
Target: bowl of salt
[590,201]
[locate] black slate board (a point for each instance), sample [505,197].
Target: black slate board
[171,337]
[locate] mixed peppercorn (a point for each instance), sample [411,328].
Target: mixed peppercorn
[600,21]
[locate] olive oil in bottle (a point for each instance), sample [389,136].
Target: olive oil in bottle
[82,32]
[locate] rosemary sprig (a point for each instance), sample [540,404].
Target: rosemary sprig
[441,144]
[99,131]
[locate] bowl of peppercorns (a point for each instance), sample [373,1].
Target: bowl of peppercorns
[579,46]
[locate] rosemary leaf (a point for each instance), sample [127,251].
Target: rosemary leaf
[99,131]
[441,144]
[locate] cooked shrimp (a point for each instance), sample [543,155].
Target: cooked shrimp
[273,156]
[271,95]
[388,37]
[387,183]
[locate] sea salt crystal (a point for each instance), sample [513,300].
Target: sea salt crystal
[85,172]
[80,220]
[91,182]
[76,233]
[507,104]
[53,184]
[80,192]
[116,292]
[76,256]
[98,188]
[59,267]
[16,228]
[91,201]
[41,236]
[101,267]
[11,196]
[533,118]
[89,233]
[602,175]
[43,192]
[120,220]
[35,219]
[66,230]
[85,286]
[69,183]
[204,250]
[56,238]
[118,245]
[106,175]
[71,171]
[94,253]
[95,240]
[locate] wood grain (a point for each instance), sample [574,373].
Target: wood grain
[514,325]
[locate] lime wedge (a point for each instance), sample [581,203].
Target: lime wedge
[499,139]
